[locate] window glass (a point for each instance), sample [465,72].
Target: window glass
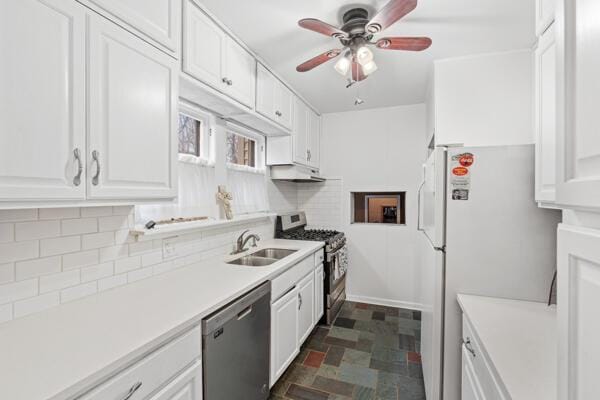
[190,135]
[379,207]
[241,150]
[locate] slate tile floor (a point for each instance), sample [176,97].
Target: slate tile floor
[370,353]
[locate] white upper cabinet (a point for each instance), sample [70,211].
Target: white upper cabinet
[240,73]
[578,98]
[133,116]
[216,59]
[578,322]
[314,139]
[545,118]
[42,101]
[300,132]
[203,45]
[273,99]
[545,12]
[159,20]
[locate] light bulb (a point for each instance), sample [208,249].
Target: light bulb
[364,56]
[343,66]
[369,68]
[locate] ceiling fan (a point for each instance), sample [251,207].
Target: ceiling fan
[356,36]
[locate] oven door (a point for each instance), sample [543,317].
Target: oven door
[337,265]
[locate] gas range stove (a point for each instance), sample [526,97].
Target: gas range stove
[333,239]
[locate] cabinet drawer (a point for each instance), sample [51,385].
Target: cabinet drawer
[319,257]
[152,372]
[289,278]
[481,369]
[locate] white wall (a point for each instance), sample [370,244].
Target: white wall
[378,150]
[484,100]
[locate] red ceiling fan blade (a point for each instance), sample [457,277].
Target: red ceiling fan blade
[318,60]
[392,12]
[321,27]
[357,72]
[404,43]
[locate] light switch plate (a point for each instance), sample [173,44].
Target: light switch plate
[169,249]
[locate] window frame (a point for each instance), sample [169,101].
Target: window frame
[402,206]
[259,148]
[206,156]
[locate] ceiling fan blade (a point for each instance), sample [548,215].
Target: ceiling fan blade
[357,72]
[392,12]
[321,27]
[404,43]
[318,60]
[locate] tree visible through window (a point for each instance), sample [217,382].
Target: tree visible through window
[241,150]
[190,134]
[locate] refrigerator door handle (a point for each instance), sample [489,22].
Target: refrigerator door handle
[419,192]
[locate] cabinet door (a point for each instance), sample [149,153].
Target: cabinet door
[265,92]
[306,307]
[470,388]
[203,46]
[319,293]
[284,105]
[579,141]
[545,118]
[284,333]
[132,116]
[187,386]
[300,132]
[42,105]
[240,73]
[578,323]
[314,139]
[157,19]
[545,12]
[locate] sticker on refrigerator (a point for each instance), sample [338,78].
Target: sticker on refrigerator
[460,179]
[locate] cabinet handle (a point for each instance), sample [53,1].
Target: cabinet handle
[224,80]
[299,301]
[227,81]
[96,159]
[469,347]
[230,82]
[278,113]
[77,178]
[132,390]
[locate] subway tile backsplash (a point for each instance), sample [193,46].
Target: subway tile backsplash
[53,256]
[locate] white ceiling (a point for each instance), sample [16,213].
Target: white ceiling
[457,27]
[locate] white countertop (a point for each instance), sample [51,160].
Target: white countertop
[60,352]
[520,339]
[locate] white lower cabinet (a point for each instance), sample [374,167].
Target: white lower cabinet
[470,386]
[306,307]
[578,322]
[284,333]
[187,386]
[319,293]
[161,369]
[296,308]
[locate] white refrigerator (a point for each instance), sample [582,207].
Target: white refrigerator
[482,234]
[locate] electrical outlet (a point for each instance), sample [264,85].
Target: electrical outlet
[169,249]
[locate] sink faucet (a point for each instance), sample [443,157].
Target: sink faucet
[241,241]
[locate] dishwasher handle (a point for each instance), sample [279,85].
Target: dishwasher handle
[237,309]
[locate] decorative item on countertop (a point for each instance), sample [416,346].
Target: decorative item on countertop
[152,224]
[225,198]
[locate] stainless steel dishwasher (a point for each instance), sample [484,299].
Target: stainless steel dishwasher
[236,345]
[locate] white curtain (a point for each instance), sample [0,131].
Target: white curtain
[196,196]
[249,190]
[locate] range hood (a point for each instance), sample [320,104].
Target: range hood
[295,173]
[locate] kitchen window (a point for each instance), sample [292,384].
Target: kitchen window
[241,150]
[194,133]
[379,208]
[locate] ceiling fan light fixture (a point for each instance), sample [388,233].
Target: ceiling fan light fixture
[369,68]
[343,66]
[364,56]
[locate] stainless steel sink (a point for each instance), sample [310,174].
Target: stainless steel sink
[273,253]
[262,258]
[252,261]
